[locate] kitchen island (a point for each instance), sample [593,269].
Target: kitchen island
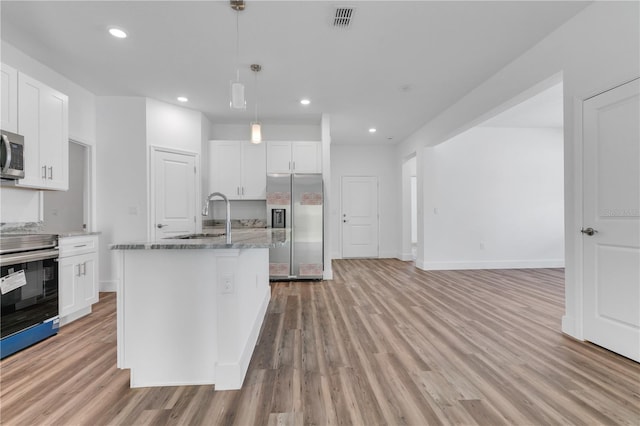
[190,310]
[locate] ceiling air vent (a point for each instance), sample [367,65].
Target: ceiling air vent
[342,17]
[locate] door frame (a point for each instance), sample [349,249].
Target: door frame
[342,209]
[573,325]
[89,199]
[151,188]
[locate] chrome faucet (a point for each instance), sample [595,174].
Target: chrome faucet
[227,224]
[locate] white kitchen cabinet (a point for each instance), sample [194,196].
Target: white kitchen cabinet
[9,98]
[43,120]
[238,169]
[294,157]
[77,276]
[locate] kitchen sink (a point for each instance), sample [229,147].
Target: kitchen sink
[198,236]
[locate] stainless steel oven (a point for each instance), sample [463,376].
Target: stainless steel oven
[28,290]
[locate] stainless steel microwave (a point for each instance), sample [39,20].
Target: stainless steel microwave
[11,156]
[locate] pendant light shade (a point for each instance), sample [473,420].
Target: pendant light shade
[256,128]
[256,133]
[237,96]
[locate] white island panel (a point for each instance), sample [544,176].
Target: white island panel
[189,317]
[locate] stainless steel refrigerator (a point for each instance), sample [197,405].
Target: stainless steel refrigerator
[295,204]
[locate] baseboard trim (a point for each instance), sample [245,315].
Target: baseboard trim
[404,257]
[229,376]
[569,327]
[75,315]
[387,255]
[493,264]
[109,286]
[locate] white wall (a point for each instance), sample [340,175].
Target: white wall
[363,160]
[409,226]
[498,201]
[329,195]
[170,126]
[596,50]
[19,205]
[127,127]
[205,129]
[270,132]
[64,210]
[121,176]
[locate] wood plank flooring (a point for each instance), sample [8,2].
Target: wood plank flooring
[383,343]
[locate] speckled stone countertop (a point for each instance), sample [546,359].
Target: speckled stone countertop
[76,233]
[240,239]
[39,228]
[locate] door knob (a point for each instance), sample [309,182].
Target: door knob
[161,225]
[588,231]
[345,220]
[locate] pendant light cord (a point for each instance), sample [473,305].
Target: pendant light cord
[237,45]
[256,85]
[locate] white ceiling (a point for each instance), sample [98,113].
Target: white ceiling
[398,66]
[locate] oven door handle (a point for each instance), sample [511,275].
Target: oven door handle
[13,258]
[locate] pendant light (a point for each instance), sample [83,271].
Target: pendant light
[237,88]
[256,131]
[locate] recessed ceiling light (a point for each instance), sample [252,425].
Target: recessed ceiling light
[117,32]
[182,99]
[305,101]
[372,130]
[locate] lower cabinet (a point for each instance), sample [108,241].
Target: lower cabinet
[77,276]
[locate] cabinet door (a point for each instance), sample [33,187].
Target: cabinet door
[225,174]
[29,127]
[43,121]
[68,276]
[254,171]
[54,138]
[305,157]
[278,157]
[9,98]
[89,274]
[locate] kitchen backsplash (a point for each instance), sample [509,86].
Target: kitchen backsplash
[26,227]
[240,209]
[235,223]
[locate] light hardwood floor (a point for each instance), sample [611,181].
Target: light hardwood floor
[384,343]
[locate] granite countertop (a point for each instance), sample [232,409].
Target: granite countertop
[39,228]
[240,239]
[67,234]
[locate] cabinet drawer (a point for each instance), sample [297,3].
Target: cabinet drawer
[71,246]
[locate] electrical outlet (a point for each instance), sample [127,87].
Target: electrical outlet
[481,246]
[227,286]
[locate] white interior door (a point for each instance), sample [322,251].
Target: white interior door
[611,231]
[174,193]
[359,216]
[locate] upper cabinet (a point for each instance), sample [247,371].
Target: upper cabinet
[238,169]
[43,120]
[9,99]
[294,157]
